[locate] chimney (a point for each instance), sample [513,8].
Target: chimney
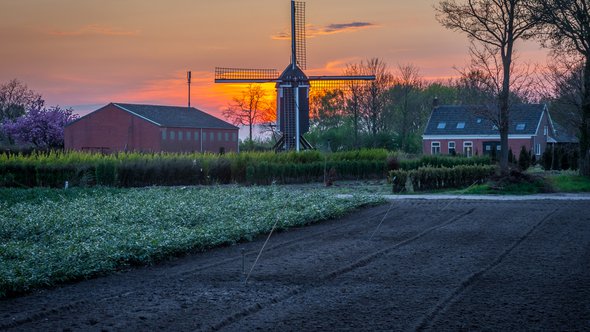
[435,102]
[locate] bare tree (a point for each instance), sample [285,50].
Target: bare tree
[565,27]
[251,108]
[374,98]
[493,26]
[406,104]
[16,98]
[353,99]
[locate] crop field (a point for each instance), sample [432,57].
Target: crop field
[49,236]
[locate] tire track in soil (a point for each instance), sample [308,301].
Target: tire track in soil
[39,315]
[471,280]
[235,317]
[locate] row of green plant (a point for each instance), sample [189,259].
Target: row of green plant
[441,161]
[53,169]
[85,232]
[431,178]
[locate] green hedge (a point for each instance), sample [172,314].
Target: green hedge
[428,178]
[443,161]
[134,170]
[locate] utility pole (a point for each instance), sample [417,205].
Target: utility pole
[188,79]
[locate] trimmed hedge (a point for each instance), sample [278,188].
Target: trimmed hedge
[135,170]
[443,161]
[428,178]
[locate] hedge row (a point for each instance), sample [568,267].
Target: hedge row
[428,178]
[182,171]
[443,161]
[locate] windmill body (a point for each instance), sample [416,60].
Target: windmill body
[292,85]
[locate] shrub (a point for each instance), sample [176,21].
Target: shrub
[428,178]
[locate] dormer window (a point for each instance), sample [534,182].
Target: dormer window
[520,126]
[460,125]
[441,125]
[478,120]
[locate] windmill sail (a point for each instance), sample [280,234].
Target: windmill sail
[298,31]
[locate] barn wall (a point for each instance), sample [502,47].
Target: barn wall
[197,140]
[111,129]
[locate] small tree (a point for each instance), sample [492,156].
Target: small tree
[524,159]
[40,128]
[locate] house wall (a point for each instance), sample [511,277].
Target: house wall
[111,129]
[478,148]
[198,140]
[542,134]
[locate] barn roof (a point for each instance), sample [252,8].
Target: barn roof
[459,120]
[175,116]
[170,116]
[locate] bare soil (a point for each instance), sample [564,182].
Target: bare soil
[407,265]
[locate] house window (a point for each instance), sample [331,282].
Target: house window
[545,130]
[180,135]
[520,126]
[435,148]
[219,137]
[171,134]
[468,149]
[460,125]
[234,137]
[538,149]
[441,125]
[452,148]
[196,135]
[204,137]
[163,134]
[226,137]
[212,137]
[188,135]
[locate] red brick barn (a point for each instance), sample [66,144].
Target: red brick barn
[467,130]
[150,128]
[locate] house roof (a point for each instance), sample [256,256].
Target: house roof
[460,120]
[561,135]
[172,116]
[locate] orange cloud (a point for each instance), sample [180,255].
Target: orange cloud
[312,31]
[94,30]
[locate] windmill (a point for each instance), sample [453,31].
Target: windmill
[292,85]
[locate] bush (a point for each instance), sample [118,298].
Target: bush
[428,178]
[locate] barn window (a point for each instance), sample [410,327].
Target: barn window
[435,147]
[180,135]
[234,137]
[188,135]
[171,134]
[196,135]
[212,136]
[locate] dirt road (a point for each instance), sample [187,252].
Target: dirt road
[426,265]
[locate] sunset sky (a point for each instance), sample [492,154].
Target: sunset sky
[85,54]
